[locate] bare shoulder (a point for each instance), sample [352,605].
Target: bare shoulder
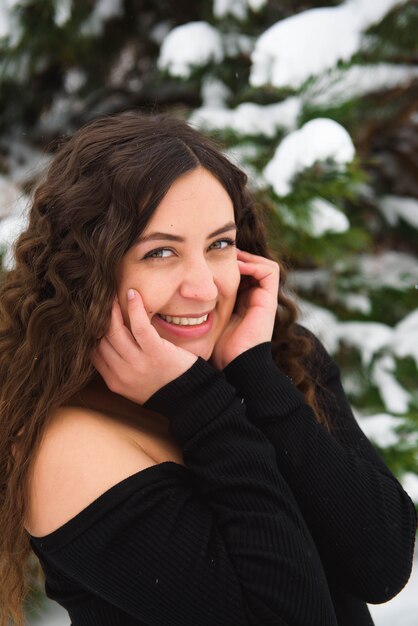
[82,455]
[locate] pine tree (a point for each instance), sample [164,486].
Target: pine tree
[333,218]
[324,121]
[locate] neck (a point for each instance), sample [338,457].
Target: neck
[98,397]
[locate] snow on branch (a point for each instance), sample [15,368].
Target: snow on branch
[191,45]
[380,428]
[318,140]
[378,345]
[307,44]
[395,208]
[338,84]
[236,8]
[250,119]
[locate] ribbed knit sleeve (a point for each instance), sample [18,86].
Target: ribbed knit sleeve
[219,542]
[361,519]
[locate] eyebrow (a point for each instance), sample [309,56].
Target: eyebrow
[171,237]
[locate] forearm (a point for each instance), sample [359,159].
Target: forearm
[220,541]
[361,519]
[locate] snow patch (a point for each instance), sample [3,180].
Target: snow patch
[25,163]
[9,23]
[160,31]
[237,43]
[240,155]
[326,218]
[250,119]
[405,337]
[369,339]
[336,86]
[380,428]
[313,41]
[320,139]
[52,120]
[396,270]
[410,484]
[395,208]
[236,8]
[355,302]
[369,13]
[63,10]
[74,79]
[214,94]
[14,205]
[12,198]
[321,322]
[191,45]
[123,65]
[394,396]
[308,280]
[10,229]
[324,279]
[103,11]
[366,337]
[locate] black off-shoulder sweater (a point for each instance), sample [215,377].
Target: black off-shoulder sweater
[273,521]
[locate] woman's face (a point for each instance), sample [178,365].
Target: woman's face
[184,264]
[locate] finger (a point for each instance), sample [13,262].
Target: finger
[119,336]
[100,364]
[120,349]
[109,352]
[107,371]
[266,275]
[263,278]
[116,319]
[254,258]
[141,328]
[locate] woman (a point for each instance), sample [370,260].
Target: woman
[175,449]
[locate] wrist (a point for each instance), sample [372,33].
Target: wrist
[267,391]
[194,398]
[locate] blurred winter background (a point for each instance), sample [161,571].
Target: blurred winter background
[317,101]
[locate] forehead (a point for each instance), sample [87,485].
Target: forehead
[195,199]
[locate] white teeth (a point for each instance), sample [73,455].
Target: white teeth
[184,321]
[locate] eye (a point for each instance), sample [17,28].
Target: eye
[159,253]
[222,244]
[165,253]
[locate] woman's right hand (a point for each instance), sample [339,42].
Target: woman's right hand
[136,363]
[252,321]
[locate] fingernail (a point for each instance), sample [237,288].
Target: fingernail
[131,294]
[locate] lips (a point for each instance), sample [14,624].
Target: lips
[190,331]
[184,320]
[187,314]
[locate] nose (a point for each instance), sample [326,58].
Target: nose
[199,281]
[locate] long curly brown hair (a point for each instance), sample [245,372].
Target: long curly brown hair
[100,191]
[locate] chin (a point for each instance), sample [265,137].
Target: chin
[204,352]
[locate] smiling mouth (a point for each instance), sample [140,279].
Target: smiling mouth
[184,321]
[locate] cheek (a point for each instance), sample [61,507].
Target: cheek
[151,290]
[229,281]
[154,293]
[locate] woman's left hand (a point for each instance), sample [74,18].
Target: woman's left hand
[252,321]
